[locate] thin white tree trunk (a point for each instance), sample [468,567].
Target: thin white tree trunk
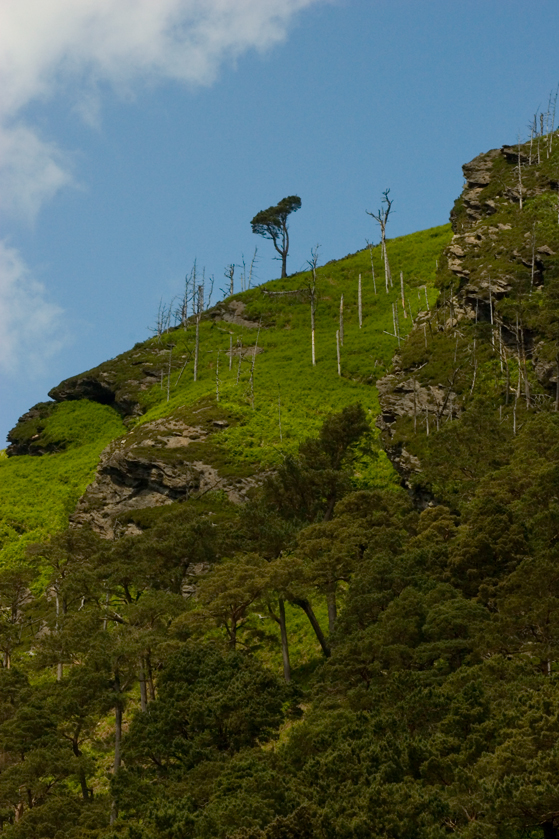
[338,352]
[402,292]
[359,303]
[312,331]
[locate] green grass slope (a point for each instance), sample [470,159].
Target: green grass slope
[38,493]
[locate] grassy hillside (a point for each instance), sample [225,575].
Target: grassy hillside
[38,493]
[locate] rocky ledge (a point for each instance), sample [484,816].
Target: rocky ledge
[157,463]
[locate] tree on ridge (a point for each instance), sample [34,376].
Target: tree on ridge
[272,224]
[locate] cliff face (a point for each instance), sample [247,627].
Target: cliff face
[492,331]
[158,463]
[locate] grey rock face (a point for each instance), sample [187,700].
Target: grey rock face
[150,467]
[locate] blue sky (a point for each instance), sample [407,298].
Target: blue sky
[137,136]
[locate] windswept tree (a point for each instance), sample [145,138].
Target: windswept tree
[272,224]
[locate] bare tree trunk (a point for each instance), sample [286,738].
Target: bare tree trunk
[359,303]
[169,373]
[196,347]
[402,292]
[342,320]
[252,262]
[230,351]
[338,352]
[519,174]
[396,321]
[370,246]
[312,337]
[308,610]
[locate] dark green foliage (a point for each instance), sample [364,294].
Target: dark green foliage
[208,703]
[307,487]
[272,224]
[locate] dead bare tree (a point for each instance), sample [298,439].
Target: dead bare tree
[382,218]
[553,111]
[342,320]
[338,352]
[199,309]
[370,246]
[312,263]
[229,274]
[359,303]
[251,270]
[402,293]
[169,371]
[519,167]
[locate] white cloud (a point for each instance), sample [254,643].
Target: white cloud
[73,46]
[30,327]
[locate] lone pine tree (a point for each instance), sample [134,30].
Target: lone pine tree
[272,224]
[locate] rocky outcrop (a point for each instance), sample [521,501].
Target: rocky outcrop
[497,253]
[156,464]
[25,437]
[233,312]
[122,381]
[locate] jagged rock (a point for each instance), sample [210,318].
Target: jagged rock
[233,312]
[150,467]
[455,248]
[21,438]
[478,171]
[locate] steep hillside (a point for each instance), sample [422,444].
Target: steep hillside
[257,627]
[487,357]
[182,441]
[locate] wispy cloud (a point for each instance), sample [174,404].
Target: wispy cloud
[30,326]
[75,48]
